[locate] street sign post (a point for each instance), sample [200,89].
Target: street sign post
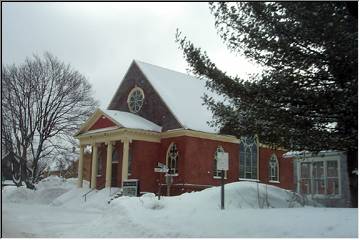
[169,180]
[222,163]
[161,168]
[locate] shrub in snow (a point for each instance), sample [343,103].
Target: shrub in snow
[150,201]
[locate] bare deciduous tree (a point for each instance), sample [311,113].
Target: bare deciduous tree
[43,102]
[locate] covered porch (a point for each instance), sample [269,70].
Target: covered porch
[110,143]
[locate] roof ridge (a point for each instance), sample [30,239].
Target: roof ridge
[164,68]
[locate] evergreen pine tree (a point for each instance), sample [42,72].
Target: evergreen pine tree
[306,96]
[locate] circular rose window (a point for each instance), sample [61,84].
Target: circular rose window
[135,99]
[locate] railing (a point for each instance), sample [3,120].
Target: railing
[84,196]
[114,195]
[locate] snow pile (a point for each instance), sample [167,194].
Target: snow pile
[238,195]
[198,214]
[47,190]
[58,209]
[242,195]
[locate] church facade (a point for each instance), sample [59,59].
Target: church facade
[157,116]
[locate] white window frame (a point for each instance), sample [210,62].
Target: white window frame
[257,162]
[271,169]
[175,170]
[216,172]
[325,160]
[129,98]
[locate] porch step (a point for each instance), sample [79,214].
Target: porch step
[116,195]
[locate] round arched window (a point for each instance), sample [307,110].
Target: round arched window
[135,99]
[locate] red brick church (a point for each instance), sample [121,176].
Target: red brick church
[157,116]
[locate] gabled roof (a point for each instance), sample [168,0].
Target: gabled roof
[130,120]
[182,94]
[121,119]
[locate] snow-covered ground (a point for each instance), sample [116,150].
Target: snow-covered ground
[57,209]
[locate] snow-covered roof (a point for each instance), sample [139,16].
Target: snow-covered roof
[183,94]
[130,120]
[120,118]
[307,154]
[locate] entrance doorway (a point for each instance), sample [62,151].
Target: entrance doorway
[114,171]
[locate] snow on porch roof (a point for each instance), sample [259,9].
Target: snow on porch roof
[183,94]
[130,120]
[121,119]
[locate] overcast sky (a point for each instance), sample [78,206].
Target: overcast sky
[101,39]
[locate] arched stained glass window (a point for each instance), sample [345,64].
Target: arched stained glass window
[172,159]
[248,157]
[273,168]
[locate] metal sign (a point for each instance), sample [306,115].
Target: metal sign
[161,170]
[222,162]
[131,187]
[161,165]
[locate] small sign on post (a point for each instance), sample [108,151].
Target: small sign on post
[222,163]
[169,180]
[131,187]
[161,168]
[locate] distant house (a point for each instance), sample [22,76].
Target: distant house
[69,169]
[157,116]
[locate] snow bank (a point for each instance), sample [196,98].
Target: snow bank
[57,209]
[46,191]
[238,195]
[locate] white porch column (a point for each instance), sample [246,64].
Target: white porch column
[94,166]
[81,167]
[108,164]
[125,160]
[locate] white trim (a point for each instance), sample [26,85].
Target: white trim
[171,174]
[216,177]
[189,185]
[271,181]
[249,179]
[99,130]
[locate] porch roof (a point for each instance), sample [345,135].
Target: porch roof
[120,119]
